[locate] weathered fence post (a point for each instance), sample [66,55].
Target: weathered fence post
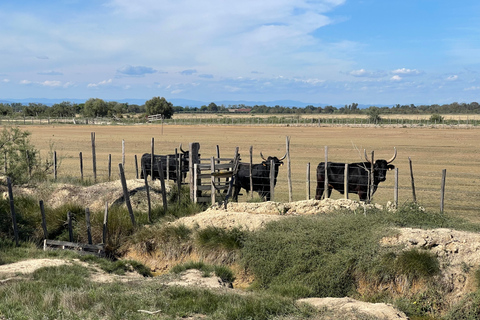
[345,181]
[44,220]
[395,189]
[308,181]
[442,192]
[109,166]
[289,170]
[81,166]
[250,172]
[126,195]
[152,158]
[89,228]
[212,180]
[371,182]
[94,157]
[123,153]
[136,167]
[105,224]
[325,187]
[413,182]
[193,159]
[12,210]
[272,180]
[179,173]
[55,165]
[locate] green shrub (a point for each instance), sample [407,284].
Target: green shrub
[319,252]
[436,118]
[223,272]
[218,238]
[467,309]
[416,264]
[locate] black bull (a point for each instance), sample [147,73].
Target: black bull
[260,177]
[358,176]
[146,164]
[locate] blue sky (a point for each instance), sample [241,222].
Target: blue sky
[315,51]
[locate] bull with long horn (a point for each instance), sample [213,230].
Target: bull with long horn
[359,175]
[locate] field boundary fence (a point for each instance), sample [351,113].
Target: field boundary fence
[252,120]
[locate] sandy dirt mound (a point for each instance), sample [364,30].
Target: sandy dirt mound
[253,216]
[12,270]
[94,197]
[458,252]
[353,309]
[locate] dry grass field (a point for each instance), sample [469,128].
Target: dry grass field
[431,150]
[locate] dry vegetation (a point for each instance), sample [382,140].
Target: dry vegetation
[430,149]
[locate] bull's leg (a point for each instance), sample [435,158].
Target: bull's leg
[319,191]
[329,191]
[236,192]
[363,195]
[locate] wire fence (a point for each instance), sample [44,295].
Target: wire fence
[252,120]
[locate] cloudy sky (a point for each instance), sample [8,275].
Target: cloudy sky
[314,51]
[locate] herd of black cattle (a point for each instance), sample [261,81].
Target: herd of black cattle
[359,174]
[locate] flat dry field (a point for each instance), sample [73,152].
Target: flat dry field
[431,150]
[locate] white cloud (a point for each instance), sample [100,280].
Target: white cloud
[406,72]
[51,83]
[472,89]
[25,82]
[101,83]
[6,80]
[452,78]
[396,78]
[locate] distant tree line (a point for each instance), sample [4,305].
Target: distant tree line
[95,107]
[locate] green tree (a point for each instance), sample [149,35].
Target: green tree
[23,162]
[95,107]
[374,115]
[159,105]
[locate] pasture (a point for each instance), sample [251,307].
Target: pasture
[431,150]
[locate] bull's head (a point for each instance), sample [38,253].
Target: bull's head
[277,161]
[382,166]
[183,151]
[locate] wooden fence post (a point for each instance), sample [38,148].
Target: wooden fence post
[345,181]
[289,170]
[395,189]
[308,181]
[193,159]
[109,166]
[212,180]
[55,165]
[123,153]
[81,166]
[272,180]
[126,195]
[152,158]
[250,172]
[94,157]
[44,220]
[12,210]
[178,168]
[371,183]
[105,224]
[413,182]
[442,192]
[136,167]
[325,187]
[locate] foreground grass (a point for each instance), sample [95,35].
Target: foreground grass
[67,293]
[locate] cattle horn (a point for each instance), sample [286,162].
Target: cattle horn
[366,157]
[181,148]
[261,155]
[283,157]
[394,155]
